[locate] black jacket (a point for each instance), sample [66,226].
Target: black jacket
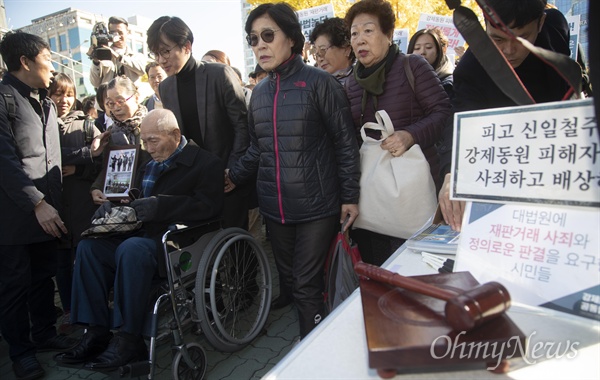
[302,144]
[474,88]
[190,191]
[221,110]
[30,163]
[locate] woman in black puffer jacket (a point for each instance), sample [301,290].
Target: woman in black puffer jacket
[305,154]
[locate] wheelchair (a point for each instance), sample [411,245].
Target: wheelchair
[220,283]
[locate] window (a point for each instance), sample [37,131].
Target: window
[62,45]
[52,42]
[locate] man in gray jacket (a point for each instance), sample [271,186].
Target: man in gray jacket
[30,192]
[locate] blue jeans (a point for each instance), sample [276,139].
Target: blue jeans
[127,265]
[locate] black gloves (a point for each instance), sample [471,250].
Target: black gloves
[102,210]
[145,208]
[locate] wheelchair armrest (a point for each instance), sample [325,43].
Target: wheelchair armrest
[197,229]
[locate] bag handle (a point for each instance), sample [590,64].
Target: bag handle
[384,124]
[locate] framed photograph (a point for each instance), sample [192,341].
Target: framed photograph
[120,164]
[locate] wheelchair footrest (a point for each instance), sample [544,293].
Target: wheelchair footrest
[136,369]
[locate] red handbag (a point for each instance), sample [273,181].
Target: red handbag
[340,278]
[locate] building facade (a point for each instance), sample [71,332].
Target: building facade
[573,8]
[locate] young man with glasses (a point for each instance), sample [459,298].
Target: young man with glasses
[124,61]
[207,100]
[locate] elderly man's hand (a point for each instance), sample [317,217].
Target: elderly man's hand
[145,208]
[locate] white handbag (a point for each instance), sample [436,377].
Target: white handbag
[397,194]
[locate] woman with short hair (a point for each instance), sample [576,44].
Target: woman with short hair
[305,153]
[122,103]
[332,48]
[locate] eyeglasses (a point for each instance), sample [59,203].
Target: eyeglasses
[119,102]
[320,52]
[165,53]
[266,35]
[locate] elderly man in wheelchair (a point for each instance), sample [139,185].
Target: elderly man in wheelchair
[181,183]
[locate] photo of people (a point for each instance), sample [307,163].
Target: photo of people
[119,173]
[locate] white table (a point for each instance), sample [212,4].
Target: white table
[337,348]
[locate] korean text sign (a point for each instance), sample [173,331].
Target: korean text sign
[546,153]
[545,255]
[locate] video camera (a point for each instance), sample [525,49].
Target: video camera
[101,39]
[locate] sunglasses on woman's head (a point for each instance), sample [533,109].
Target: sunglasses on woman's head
[266,35]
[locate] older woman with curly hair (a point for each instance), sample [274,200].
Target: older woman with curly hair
[332,48]
[381,83]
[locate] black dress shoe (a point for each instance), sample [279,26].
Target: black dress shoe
[92,344]
[281,302]
[28,368]
[123,349]
[56,343]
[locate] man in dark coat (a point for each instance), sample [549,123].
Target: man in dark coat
[30,183]
[207,100]
[474,89]
[181,183]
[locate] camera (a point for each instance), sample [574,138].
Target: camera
[101,39]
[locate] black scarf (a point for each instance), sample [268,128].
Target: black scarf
[372,79]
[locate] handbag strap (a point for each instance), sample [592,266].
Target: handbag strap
[384,124]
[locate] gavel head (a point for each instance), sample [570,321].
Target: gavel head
[472,308]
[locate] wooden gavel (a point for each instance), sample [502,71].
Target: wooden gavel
[464,311]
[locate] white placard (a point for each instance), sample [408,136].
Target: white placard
[574,22]
[310,16]
[400,38]
[546,153]
[446,25]
[544,255]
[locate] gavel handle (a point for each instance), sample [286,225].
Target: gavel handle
[382,275]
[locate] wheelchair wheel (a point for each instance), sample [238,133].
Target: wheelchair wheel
[181,369]
[233,290]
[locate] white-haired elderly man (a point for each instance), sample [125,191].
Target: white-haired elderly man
[181,183]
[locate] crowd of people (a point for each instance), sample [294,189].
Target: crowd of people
[283,149]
